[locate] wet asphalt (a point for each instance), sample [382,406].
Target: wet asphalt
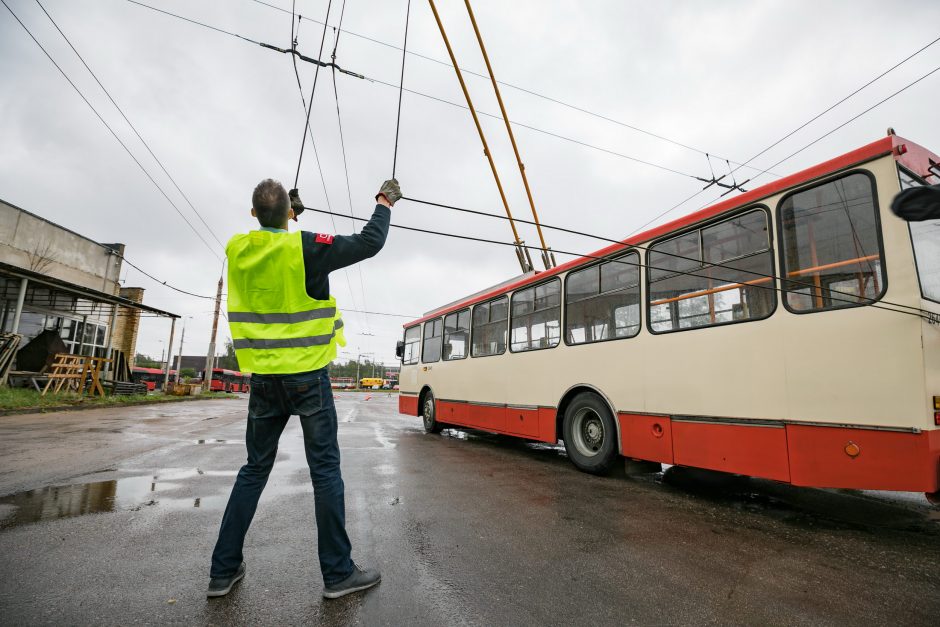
[109,516]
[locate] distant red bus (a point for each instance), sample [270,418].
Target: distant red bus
[152,377]
[229,381]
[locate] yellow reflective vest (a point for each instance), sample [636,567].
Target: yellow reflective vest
[276,327]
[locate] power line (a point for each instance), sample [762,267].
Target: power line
[807,123]
[404,51]
[111,130]
[877,304]
[454,104]
[164,283]
[203,24]
[705,266]
[129,123]
[342,143]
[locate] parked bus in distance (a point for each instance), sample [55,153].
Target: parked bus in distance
[370,382]
[342,383]
[151,377]
[790,333]
[228,381]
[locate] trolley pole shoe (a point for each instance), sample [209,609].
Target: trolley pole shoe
[220,586]
[360,579]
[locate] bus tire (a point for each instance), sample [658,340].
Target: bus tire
[429,414]
[590,434]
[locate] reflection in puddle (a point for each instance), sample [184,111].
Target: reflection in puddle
[128,494]
[216,442]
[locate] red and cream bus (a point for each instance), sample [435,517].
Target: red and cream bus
[788,333]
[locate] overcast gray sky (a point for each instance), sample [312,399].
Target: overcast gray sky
[729,78]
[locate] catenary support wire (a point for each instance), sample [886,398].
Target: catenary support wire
[113,133]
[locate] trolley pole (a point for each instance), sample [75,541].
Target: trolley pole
[210,358]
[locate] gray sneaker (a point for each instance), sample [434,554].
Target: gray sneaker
[360,579]
[220,586]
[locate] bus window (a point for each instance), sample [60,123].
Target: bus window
[925,236]
[489,327]
[432,341]
[412,342]
[456,334]
[603,302]
[831,245]
[536,317]
[730,278]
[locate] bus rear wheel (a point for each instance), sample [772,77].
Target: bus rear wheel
[429,414]
[590,434]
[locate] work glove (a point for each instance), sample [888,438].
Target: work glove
[390,190]
[295,203]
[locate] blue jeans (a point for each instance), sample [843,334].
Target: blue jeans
[274,399]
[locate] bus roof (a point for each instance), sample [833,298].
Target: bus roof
[914,157]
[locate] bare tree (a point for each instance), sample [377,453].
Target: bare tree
[42,257]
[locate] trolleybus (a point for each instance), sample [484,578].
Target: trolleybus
[151,377]
[789,333]
[229,381]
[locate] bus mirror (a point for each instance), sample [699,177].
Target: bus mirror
[400,349]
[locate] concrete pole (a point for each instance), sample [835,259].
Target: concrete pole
[169,354]
[210,358]
[357,370]
[20,299]
[179,357]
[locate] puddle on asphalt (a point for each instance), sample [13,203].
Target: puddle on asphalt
[127,494]
[216,441]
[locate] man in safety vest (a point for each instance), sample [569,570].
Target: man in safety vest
[285,328]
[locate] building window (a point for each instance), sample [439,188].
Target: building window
[603,302]
[432,341]
[925,237]
[456,334]
[412,342]
[536,317]
[489,327]
[714,275]
[832,255]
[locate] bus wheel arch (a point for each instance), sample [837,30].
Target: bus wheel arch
[588,424]
[427,410]
[569,396]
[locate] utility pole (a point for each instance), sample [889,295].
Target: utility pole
[357,370]
[179,357]
[210,358]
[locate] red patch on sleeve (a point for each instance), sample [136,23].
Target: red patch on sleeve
[323,238]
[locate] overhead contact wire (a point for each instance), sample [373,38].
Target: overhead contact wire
[854,299]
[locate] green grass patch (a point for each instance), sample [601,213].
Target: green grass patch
[25,398]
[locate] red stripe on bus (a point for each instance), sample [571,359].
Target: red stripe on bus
[886,460]
[740,449]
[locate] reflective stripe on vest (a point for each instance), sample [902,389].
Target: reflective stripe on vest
[276,327]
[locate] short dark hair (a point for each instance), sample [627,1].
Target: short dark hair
[270,203]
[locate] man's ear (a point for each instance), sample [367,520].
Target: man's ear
[254,214]
[290,214]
